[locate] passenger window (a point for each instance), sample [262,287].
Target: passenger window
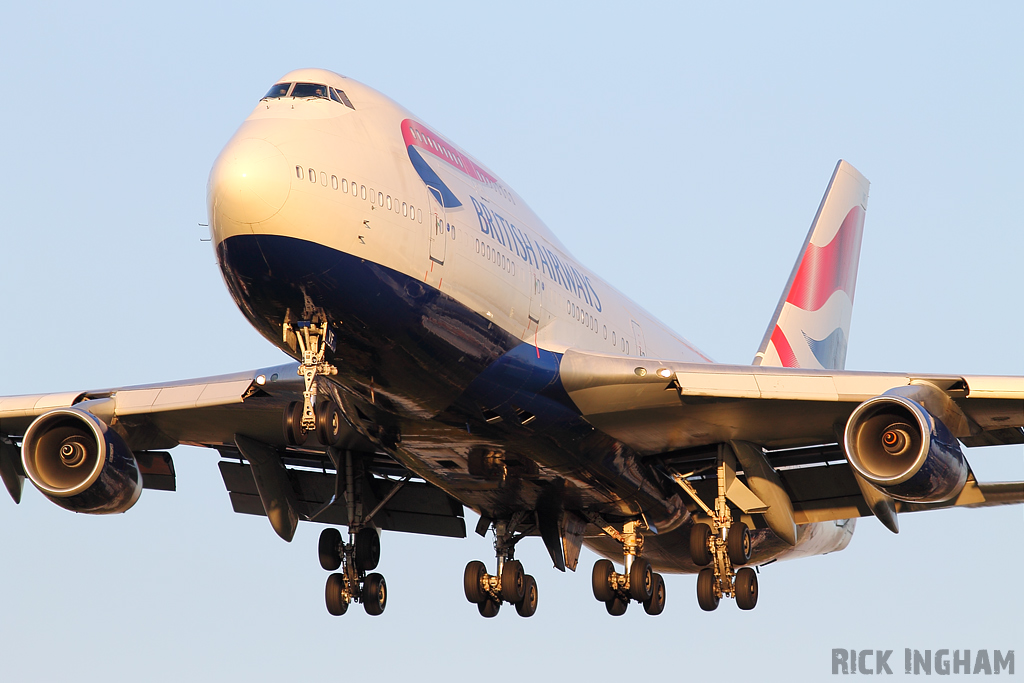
[380,198]
[362,191]
[373,197]
[344,186]
[405,209]
[323,178]
[279,90]
[412,212]
[312,176]
[309,90]
[389,201]
[419,216]
[298,172]
[334,182]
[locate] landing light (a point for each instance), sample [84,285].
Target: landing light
[664,373]
[261,380]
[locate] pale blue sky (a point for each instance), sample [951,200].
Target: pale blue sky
[679,151]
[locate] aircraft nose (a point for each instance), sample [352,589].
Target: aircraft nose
[249,182]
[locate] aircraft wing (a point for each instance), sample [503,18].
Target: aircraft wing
[239,415]
[674,411]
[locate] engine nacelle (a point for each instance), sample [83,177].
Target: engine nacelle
[80,463]
[904,451]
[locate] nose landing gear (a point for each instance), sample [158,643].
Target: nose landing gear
[300,418]
[510,584]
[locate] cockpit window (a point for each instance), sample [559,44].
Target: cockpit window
[279,90]
[310,90]
[340,96]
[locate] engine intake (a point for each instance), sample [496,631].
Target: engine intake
[904,451]
[79,463]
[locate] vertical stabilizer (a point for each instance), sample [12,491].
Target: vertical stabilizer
[811,325]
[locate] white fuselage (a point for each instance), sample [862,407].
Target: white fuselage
[344,180]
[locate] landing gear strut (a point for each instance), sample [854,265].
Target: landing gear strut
[725,545]
[638,582]
[311,415]
[510,584]
[359,555]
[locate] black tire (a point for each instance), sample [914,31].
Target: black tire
[330,425]
[641,579]
[334,595]
[513,581]
[706,597]
[328,549]
[375,594]
[367,549]
[617,605]
[738,544]
[527,607]
[700,542]
[293,433]
[600,580]
[746,588]
[471,582]
[656,605]
[489,608]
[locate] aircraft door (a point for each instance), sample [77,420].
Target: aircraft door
[438,227]
[638,335]
[536,304]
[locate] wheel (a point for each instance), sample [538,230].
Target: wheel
[329,423]
[706,597]
[738,544]
[367,549]
[328,549]
[746,588]
[513,581]
[489,608]
[617,605]
[527,607]
[700,545]
[334,595]
[293,433]
[471,582]
[375,594]
[641,579]
[656,605]
[601,580]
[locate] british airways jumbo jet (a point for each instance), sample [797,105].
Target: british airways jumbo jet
[451,353]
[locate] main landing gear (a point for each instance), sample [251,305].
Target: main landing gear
[511,584]
[725,545]
[355,558]
[639,581]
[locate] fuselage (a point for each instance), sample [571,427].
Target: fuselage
[450,300]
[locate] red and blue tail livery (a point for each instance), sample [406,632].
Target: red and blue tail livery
[811,326]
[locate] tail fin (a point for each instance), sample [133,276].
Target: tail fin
[811,325]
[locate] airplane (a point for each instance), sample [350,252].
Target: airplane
[451,353]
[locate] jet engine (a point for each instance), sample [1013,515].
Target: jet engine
[904,451]
[80,463]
